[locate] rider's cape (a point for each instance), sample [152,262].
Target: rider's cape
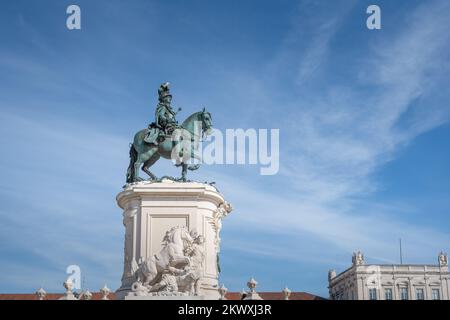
[152,135]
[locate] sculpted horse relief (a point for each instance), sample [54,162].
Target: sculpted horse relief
[176,269]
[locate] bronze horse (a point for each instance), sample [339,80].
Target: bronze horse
[145,154]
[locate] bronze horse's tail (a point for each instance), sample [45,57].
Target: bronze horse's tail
[133,158]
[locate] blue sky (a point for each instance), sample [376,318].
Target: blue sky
[363,118]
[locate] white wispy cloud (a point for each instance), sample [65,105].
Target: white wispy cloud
[348,132]
[59,179]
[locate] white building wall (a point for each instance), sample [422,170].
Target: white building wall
[361,278]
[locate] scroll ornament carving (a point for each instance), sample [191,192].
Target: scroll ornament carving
[222,211]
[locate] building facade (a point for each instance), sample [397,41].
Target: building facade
[391,282]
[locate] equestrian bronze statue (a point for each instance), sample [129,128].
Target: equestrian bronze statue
[166,138]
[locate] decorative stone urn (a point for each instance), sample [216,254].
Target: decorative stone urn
[152,212]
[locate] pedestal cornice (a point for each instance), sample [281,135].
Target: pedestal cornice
[172,191]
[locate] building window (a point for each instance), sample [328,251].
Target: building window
[404,293]
[435,294]
[419,294]
[388,294]
[373,294]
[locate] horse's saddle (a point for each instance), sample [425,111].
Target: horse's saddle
[155,135]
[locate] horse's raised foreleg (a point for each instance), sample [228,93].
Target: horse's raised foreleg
[196,156]
[185,167]
[193,167]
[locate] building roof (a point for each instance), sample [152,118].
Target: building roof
[277,296]
[399,268]
[112,296]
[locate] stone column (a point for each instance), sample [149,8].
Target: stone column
[448,288]
[362,295]
[395,289]
[131,209]
[427,286]
[151,209]
[410,289]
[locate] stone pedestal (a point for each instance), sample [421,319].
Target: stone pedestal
[151,209]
